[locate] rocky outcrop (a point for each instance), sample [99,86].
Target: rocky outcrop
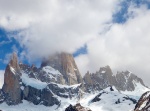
[47,85]
[38,96]
[11,87]
[48,95]
[99,80]
[66,65]
[45,74]
[77,107]
[127,81]
[143,103]
[104,77]
[22,82]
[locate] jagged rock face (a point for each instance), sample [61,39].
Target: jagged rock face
[127,80]
[104,77]
[45,85]
[37,96]
[100,80]
[16,87]
[143,103]
[65,63]
[45,74]
[77,107]
[2,96]
[48,95]
[11,86]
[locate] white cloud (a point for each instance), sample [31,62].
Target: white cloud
[4,42]
[53,25]
[7,58]
[123,47]
[1,78]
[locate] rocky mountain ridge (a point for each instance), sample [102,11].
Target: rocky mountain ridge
[104,77]
[22,82]
[58,79]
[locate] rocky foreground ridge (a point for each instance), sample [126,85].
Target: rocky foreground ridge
[143,103]
[77,107]
[58,77]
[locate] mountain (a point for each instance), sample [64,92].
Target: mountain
[37,85]
[58,83]
[109,99]
[12,80]
[65,63]
[123,81]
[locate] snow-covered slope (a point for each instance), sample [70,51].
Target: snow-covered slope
[139,90]
[28,88]
[108,99]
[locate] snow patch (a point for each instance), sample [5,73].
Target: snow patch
[75,69]
[67,86]
[22,87]
[51,70]
[32,82]
[27,106]
[1,78]
[103,72]
[143,104]
[12,70]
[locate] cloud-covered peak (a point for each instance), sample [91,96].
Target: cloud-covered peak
[54,26]
[50,26]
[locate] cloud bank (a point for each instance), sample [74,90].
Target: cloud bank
[53,25]
[123,47]
[50,26]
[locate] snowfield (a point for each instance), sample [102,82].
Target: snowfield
[26,106]
[108,99]
[32,82]
[107,103]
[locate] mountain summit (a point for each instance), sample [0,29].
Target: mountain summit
[123,81]
[11,86]
[58,83]
[65,64]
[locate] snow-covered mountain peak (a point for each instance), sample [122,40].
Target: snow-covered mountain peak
[59,87]
[66,65]
[104,77]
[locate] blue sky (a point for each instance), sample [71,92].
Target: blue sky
[120,17]
[8,45]
[95,32]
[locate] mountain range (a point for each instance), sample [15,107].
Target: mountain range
[57,85]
